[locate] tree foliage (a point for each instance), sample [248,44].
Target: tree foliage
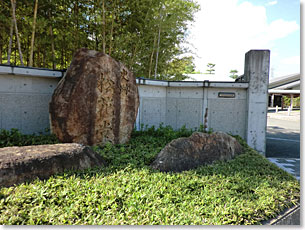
[234,74]
[210,68]
[146,35]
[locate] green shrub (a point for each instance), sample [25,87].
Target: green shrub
[245,190]
[295,101]
[15,138]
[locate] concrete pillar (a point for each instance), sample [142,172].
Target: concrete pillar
[257,74]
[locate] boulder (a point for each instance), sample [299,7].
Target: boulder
[95,102]
[199,149]
[20,164]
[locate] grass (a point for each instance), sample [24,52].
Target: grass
[245,190]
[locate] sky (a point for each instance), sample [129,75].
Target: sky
[224,30]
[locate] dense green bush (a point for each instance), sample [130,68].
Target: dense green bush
[13,137]
[295,101]
[245,190]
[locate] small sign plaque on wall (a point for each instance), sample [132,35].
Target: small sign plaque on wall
[226,94]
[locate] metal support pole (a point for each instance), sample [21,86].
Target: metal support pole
[272,100]
[291,101]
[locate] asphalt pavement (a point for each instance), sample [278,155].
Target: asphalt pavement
[283,135]
[283,140]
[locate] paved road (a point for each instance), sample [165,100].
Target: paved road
[283,141]
[283,136]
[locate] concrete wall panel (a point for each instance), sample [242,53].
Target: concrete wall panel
[240,127]
[33,118]
[240,94]
[171,112]
[8,83]
[227,115]
[184,92]
[28,113]
[11,111]
[24,102]
[152,91]
[152,111]
[184,106]
[44,85]
[220,114]
[174,92]
[189,113]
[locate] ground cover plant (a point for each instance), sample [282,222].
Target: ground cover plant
[14,137]
[245,190]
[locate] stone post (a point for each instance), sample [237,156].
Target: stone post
[257,74]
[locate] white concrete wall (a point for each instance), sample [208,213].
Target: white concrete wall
[24,102]
[177,105]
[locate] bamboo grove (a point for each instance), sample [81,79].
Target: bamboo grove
[146,35]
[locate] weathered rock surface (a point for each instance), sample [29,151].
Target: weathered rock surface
[96,101]
[199,149]
[20,164]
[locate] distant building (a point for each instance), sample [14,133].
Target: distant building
[288,85]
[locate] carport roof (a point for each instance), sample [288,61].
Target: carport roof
[285,82]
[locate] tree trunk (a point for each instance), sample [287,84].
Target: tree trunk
[133,57]
[111,30]
[27,53]
[15,49]
[157,54]
[77,27]
[65,55]
[158,45]
[33,33]
[52,41]
[10,43]
[138,45]
[95,27]
[44,59]
[104,28]
[53,48]
[13,2]
[62,57]
[76,32]
[152,56]
[38,57]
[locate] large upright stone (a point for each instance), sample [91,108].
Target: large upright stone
[96,101]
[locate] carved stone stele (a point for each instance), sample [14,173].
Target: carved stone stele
[95,102]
